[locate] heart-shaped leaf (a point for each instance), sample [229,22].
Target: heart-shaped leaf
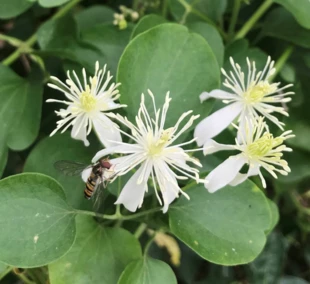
[227,227]
[147,271]
[99,254]
[37,224]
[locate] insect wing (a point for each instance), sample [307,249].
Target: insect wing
[70,168]
[99,195]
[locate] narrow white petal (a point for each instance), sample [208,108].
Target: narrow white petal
[217,94]
[107,131]
[167,184]
[240,178]
[224,173]
[86,173]
[211,147]
[79,129]
[216,122]
[121,149]
[133,192]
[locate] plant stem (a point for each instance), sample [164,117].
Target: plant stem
[5,272]
[140,230]
[234,18]
[255,17]
[117,217]
[32,40]
[281,61]
[164,10]
[11,40]
[148,244]
[190,9]
[24,279]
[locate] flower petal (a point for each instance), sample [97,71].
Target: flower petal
[212,146]
[124,148]
[168,184]
[217,94]
[133,192]
[224,173]
[240,178]
[86,173]
[106,130]
[79,129]
[216,122]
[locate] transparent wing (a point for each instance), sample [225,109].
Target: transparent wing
[99,195]
[70,168]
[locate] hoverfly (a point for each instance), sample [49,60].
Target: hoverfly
[96,182]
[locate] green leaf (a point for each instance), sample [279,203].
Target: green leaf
[37,224]
[299,9]
[239,56]
[109,41]
[227,227]
[93,16]
[207,9]
[60,37]
[99,255]
[236,47]
[20,110]
[56,148]
[168,58]
[301,129]
[280,24]
[147,271]
[3,270]
[274,215]
[146,23]
[52,3]
[267,268]
[212,36]
[288,73]
[13,8]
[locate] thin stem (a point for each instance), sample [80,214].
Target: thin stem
[135,5]
[164,10]
[234,18]
[281,61]
[148,244]
[11,40]
[140,230]
[255,17]
[5,272]
[117,217]
[26,46]
[24,278]
[190,9]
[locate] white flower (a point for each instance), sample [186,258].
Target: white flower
[259,149]
[87,105]
[252,96]
[154,152]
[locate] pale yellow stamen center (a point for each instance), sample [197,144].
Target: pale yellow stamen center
[156,147]
[88,101]
[256,93]
[263,146]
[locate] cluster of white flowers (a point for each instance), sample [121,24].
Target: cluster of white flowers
[152,148]
[251,101]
